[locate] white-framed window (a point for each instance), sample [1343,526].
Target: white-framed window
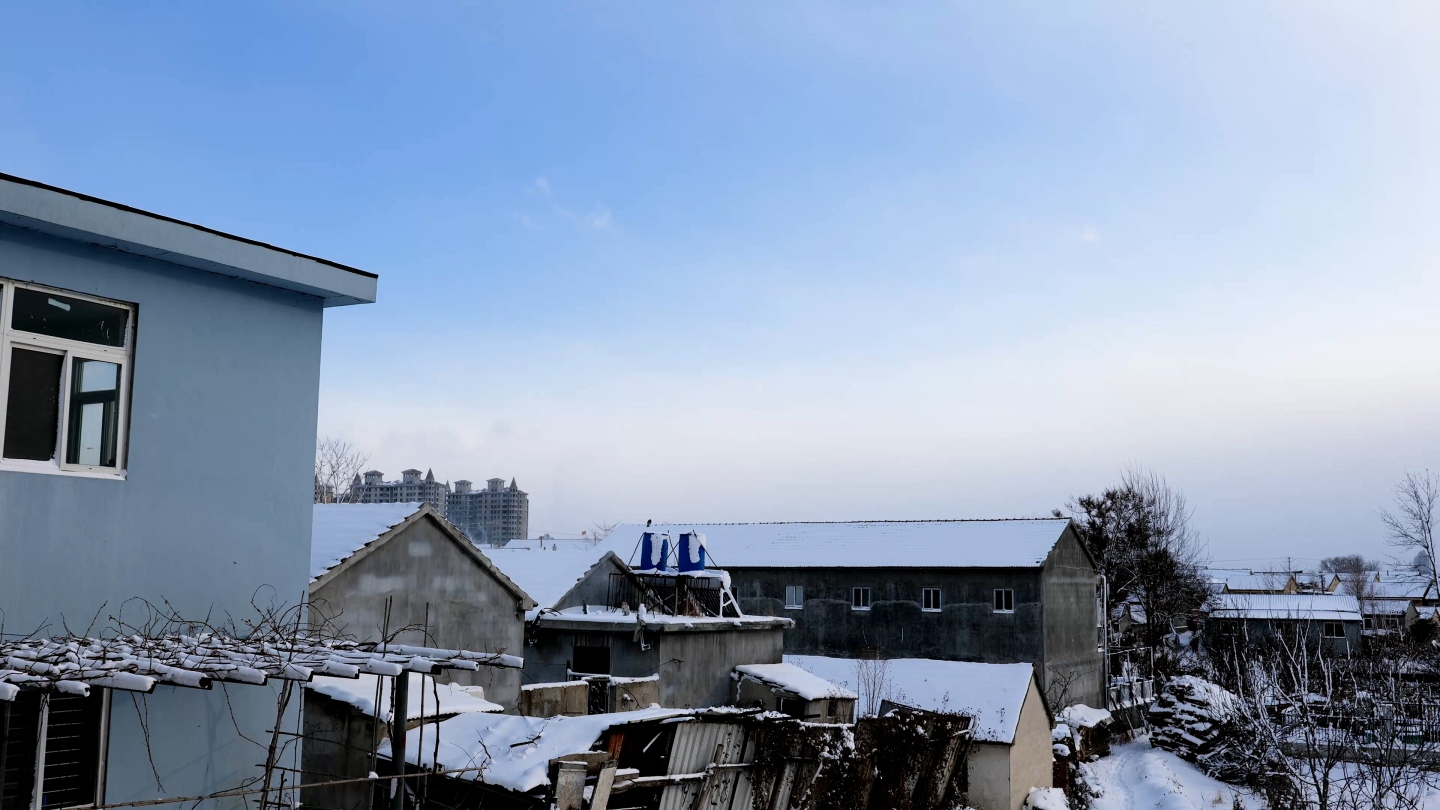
[930,600]
[1004,600]
[860,598]
[1333,630]
[65,366]
[794,597]
[55,750]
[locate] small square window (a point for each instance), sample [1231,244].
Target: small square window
[794,597]
[1004,600]
[930,599]
[860,598]
[1333,630]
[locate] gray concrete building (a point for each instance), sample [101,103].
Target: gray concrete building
[993,591]
[411,488]
[366,559]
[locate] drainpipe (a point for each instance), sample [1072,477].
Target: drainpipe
[399,720]
[1105,636]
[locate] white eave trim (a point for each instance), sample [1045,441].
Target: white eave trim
[68,215]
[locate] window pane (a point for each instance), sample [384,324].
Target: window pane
[47,313]
[32,409]
[72,750]
[94,413]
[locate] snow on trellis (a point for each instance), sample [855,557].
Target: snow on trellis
[72,665]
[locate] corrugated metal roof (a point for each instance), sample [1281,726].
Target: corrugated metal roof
[1300,606]
[1018,543]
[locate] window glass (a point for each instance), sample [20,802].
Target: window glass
[1004,600]
[32,408]
[48,313]
[94,413]
[860,598]
[931,599]
[794,596]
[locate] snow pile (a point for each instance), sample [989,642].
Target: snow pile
[992,694]
[1082,716]
[792,679]
[427,698]
[1136,776]
[1189,717]
[341,529]
[509,751]
[1047,799]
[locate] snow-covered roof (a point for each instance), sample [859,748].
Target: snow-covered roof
[545,575]
[1263,582]
[553,543]
[1310,606]
[427,697]
[341,529]
[1399,589]
[992,694]
[1019,543]
[508,751]
[794,680]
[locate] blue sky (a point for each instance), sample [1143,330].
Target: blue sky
[762,261]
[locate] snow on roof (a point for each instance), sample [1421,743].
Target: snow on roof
[1399,589]
[341,529]
[1255,582]
[553,543]
[793,679]
[1082,716]
[509,751]
[1020,543]
[545,575]
[992,694]
[1313,606]
[427,698]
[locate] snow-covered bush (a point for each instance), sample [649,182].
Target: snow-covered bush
[1046,799]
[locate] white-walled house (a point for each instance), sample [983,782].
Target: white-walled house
[159,383]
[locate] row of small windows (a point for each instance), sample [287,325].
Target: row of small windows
[930,599]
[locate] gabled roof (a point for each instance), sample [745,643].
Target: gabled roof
[1297,606]
[547,575]
[992,694]
[1400,589]
[1018,543]
[342,534]
[79,217]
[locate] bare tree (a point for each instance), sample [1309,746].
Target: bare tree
[337,462]
[1411,525]
[1140,536]
[874,683]
[1357,577]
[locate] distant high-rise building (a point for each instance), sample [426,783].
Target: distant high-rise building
[411,488]
[493,515]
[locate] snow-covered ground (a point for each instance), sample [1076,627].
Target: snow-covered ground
[1137,776]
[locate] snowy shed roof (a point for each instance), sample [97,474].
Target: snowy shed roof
[546,575]
[1019,543]
[341,529]
[428,698]
[1399,589]
[794,680]
[1300,606]
[992,694]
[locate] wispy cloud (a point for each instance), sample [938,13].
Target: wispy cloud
[1088,234]
[593,218]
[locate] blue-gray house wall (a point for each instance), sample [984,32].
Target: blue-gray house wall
[215,508]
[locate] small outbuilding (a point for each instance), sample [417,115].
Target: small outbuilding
[1011,721]
[1330,622]
[788,689]
[406,571]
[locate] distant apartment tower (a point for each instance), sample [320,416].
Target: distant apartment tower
[493,515]
[411,488]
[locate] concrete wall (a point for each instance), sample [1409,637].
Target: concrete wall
[1312,630]
[215,509]
[339,746]
[1074,662]
[694,665]
[1032,761]
[965,629]
[990,776]
[424,566]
